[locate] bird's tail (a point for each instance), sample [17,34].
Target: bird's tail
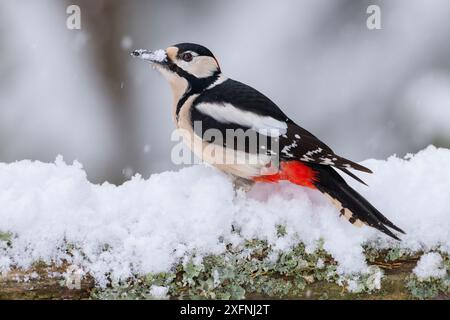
[351,205]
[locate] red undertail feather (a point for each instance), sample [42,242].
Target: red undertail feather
[354,207]
[293,171]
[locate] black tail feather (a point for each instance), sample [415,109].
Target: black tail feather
[352,205]
[346,171]
[343,163]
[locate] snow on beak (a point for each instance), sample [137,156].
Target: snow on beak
[158,56]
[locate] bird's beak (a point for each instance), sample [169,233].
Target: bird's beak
[158,57]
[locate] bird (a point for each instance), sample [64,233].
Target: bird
[265,145]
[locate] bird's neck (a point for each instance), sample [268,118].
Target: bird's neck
[185,89]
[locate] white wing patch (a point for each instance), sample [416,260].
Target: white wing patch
[329,160]
[227,113]
[312,152]
[286,149]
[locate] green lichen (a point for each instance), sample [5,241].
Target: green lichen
[256,270]
[281,231]
[393,254]
[427,289]
[365,283]
[430,287]
[251,270]
[5,236]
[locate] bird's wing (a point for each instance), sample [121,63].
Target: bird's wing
[234,105]
[299,144]
[244,98]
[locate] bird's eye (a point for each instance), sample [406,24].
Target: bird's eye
[187,56]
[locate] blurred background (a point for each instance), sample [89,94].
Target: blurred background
[78,93]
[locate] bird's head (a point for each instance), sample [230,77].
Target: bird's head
[185,65]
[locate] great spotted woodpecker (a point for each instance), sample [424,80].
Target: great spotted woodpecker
[285,151]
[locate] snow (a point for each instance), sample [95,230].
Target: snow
[149,225]
[158,55]
[128,172]
[126,43]
[147,148]
[430,266]
[159,292]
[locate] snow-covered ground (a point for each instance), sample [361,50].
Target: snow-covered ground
[149,225]
[430,266]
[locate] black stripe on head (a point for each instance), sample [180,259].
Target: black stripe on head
[201,50]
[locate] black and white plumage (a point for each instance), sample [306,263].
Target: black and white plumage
[206,101]
[232,104]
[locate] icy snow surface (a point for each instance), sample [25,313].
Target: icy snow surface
[149,225]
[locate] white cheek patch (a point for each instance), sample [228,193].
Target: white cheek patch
[227,113]
[182,64]
[200,66]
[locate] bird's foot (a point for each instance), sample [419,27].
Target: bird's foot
[242,184]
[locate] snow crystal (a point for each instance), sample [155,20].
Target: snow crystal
[320,263]
[159,292]
[430,266]
[357,284]
[158,55]
[5,263]
[128,172]
[126,43]
[147,148]
[113,232]
[374,280]
[216,278]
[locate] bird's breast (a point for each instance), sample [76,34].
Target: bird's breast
[236,162]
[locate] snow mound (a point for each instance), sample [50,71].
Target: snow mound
[429,266]
[55,214]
